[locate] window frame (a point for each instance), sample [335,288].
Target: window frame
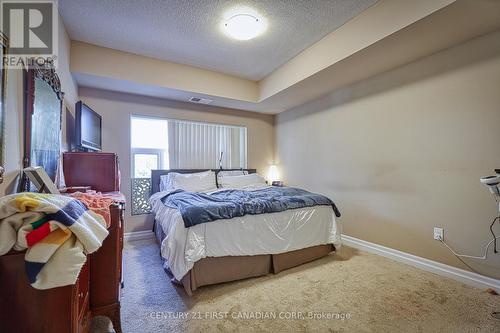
[160,153]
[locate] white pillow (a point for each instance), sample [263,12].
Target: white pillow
[191,182]
[226,173]
[241,181]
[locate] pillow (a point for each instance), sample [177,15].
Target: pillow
[191,182]
[242,181]
[226,173]
[165,182]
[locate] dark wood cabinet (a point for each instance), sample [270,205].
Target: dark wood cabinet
[67,309]
[100,171]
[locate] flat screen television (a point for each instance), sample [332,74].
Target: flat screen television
[87,128]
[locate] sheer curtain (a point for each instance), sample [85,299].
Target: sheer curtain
[194,145]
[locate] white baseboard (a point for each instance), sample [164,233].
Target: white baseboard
[138,235]
[467,277]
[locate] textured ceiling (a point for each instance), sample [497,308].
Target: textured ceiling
[187,31]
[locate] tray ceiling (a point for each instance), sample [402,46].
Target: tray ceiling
[187,31]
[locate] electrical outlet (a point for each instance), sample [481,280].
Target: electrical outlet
[438,233]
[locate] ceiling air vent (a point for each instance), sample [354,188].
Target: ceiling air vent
[200,100]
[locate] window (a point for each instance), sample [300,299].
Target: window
[149,151]
[149,143]
[158,143]
[144,163]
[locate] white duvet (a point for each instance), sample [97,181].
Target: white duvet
[247,235]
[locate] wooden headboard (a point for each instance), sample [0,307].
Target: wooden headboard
[156,174]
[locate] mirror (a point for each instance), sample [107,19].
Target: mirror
[3,76]
[42,121]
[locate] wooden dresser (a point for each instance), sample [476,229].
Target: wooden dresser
[106,278]
[68,309]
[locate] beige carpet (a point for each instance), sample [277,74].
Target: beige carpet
[360,292]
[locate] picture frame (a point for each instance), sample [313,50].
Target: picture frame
[4,44]
[41,180]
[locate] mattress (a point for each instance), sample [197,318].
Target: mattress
[248,235]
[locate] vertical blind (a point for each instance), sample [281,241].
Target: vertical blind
[199,145]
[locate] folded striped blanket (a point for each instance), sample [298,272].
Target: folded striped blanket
[56,230]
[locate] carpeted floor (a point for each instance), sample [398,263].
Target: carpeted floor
[350,291]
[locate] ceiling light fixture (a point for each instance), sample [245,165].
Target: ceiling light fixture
[244,26]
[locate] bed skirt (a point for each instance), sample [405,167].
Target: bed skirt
[214,270]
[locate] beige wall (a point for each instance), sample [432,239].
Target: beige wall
[14,111]
[99,61]
[13,131]
[68,84]
[403,152]
[116,109]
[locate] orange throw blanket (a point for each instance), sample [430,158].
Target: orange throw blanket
[97,203]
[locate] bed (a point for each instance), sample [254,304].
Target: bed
[239,247]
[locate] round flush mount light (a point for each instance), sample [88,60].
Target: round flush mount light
[244,26]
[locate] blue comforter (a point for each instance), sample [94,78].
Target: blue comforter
[197,208]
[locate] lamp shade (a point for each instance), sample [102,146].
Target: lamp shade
[273,173]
